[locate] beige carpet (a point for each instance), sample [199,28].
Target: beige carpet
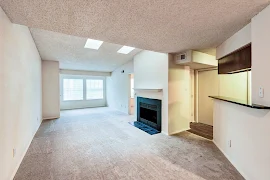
[99,143]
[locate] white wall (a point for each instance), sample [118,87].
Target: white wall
[180,101]
[248,130]
[50,90]
[20,78]
[238,40]
[118,88]
[150,72]
[260,56]
[204,58]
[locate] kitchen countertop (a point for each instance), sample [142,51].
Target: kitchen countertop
[239,102]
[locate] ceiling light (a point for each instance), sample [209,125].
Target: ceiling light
[93,44]
[125,50]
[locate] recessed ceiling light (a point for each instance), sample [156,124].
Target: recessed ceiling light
[93,44]
[125,50]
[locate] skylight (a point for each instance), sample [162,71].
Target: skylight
[93,44]
[125,50]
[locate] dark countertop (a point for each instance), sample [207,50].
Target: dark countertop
[239,102]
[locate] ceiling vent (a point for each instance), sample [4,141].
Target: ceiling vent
[183,57]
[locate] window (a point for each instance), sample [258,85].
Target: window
[82,88]
[72,89]
[94,89]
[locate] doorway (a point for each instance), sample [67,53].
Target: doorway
[131,94]
[208,85]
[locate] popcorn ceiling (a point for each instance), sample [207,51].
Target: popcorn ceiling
[158,25]
[71,54]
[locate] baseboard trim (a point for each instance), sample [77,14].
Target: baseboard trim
[74,108]
[24,153]
[232,162]
[50,118]
[163,132]
[176,132]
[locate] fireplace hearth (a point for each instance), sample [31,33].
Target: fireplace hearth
[149,112]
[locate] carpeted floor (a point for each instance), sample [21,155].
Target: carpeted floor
[99,143]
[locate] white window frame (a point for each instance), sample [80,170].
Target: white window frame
[85,103]
[86,89]
[63,89]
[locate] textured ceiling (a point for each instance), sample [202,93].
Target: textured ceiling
[158,25]
[70,52]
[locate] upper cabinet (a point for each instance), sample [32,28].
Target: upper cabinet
[234,55]
[238,61]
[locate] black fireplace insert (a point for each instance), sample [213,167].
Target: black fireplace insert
[149,112]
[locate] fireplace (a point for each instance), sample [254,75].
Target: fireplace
[149,112]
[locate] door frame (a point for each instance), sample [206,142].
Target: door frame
[196,112]
[129,93]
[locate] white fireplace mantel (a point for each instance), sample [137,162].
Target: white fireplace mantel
[148,89]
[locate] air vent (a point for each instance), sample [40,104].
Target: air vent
[181,57]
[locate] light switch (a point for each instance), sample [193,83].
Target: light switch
[261,92]
[14,152]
